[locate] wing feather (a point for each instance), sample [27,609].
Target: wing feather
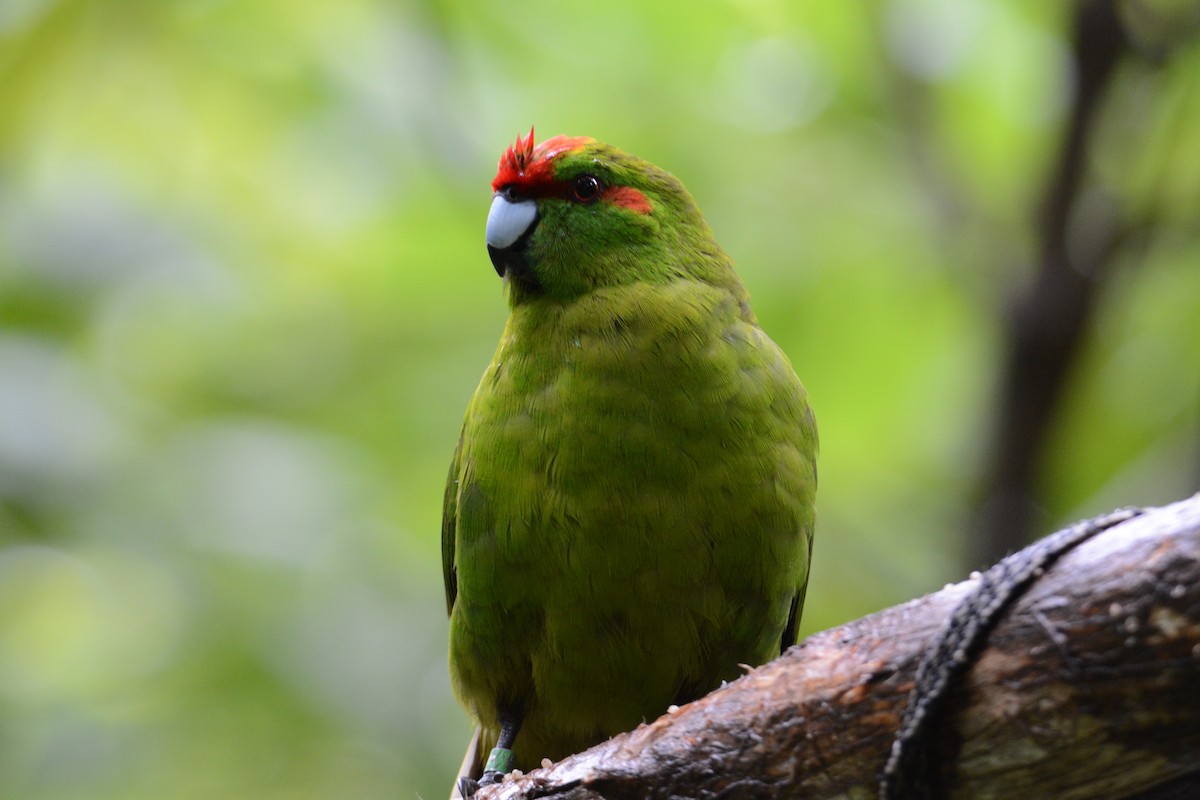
[449,526]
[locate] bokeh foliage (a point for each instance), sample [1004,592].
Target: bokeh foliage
[244,300]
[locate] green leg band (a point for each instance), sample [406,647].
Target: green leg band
[500,760]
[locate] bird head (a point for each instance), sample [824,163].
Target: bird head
[571,215]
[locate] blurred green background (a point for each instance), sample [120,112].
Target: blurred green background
[244,299]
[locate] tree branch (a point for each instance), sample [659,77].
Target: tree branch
[1086,689]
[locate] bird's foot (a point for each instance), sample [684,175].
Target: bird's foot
[500,763]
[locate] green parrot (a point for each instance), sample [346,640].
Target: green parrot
[629,512]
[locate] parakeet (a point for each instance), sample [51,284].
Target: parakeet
[630,508]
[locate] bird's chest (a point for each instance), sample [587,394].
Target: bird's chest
[606,406]
[596,430]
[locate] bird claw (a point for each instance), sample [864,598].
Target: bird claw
[491,776]
[467,787]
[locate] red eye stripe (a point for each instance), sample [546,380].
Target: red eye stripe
[623,196]
[627,197]
[539,187]
[526,170]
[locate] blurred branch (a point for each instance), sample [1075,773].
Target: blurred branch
[1047,322]
[1086,688]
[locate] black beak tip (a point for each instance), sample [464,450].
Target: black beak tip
[499,261]
[511,261]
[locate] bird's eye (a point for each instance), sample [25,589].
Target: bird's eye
[588,188]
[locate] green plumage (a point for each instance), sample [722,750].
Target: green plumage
[629,513]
